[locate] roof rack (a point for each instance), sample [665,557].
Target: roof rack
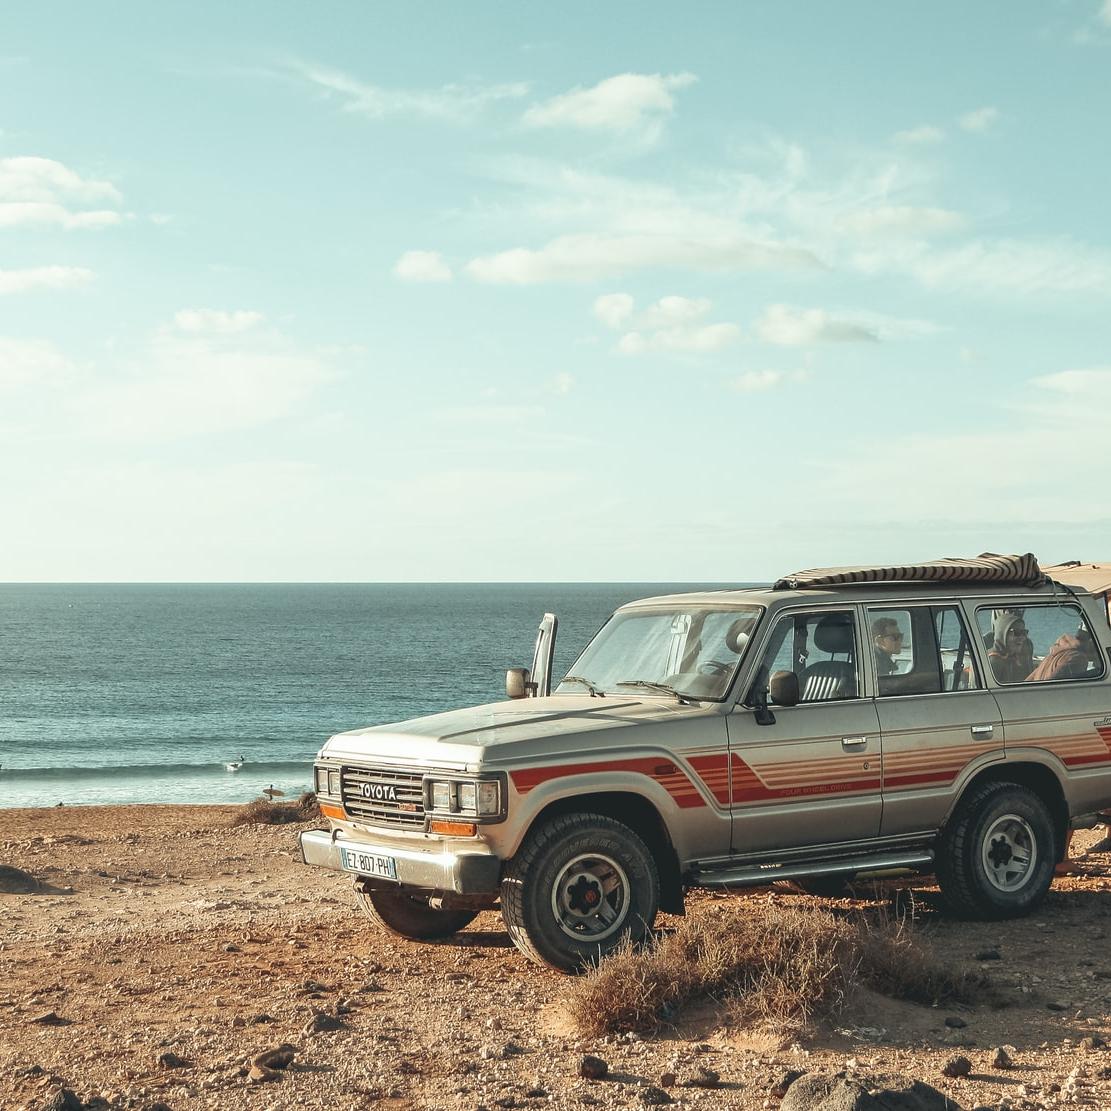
[1017,570]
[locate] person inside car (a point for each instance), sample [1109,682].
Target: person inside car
[886,641]
[1012,654]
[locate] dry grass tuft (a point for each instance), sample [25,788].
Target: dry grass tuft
[266,812]
[776,966]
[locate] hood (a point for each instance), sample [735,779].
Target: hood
[531,725]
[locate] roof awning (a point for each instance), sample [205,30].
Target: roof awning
[1017,570]
[1092,577]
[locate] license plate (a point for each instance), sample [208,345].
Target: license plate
[367,864]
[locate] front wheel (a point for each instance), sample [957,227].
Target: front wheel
[997,856]
[579,886]
[411,916]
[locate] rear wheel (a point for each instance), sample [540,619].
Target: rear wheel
[411,916]
[997,855]
[580,885]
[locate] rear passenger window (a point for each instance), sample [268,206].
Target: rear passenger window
[921,650]
[1039,644]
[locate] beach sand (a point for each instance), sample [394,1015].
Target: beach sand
[167,948]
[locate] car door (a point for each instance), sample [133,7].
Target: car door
[811,774]
[938,721]
[1049,673]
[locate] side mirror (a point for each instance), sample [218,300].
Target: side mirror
[517,682]
[783,688]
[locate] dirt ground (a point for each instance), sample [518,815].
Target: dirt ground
[166,948]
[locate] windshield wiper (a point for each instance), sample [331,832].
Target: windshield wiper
[594,691]
[654,687]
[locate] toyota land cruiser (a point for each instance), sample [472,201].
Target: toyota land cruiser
[952,717]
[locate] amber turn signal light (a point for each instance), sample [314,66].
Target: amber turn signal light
[452,829]
[331,811]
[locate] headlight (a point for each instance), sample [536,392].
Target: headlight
[478,797]
[333,781]
[321,781]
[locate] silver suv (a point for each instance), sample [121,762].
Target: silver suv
[951,718]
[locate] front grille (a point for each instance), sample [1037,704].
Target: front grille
[404,810]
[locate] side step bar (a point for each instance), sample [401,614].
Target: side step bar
[754,874]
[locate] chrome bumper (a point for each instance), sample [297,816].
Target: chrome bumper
[461,873]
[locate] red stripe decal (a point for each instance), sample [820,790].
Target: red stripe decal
[666,774]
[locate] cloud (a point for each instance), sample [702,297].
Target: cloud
[923,135]
[627,102]
[41,191]
[422,266]
[217,321]
[613,309]
[592,256]
[451,103]
[675,310]
[757,381]
[1003,266]
[981,118]
[899,220]
[51,277]
[1105,13]
[698,340]
[790,327]
[28,361]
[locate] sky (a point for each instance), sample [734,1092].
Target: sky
[522,292]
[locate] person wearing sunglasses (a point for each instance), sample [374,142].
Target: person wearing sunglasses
[1011,654]
[887,639]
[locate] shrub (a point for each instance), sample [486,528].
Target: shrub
[781,967]
[266,812]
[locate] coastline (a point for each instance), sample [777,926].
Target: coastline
[164,930]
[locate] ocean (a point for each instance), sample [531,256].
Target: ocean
[143,693]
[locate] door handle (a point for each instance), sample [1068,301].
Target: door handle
[984,731]
[853,742]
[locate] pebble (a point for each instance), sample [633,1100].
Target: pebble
[173,1061]
[988,955]
[279,1057]
[260,1074]
[593,1068]
[322,1023]
[704,1078]
[1001,1059]
[955,1023]
[651,1096]
[957,1066]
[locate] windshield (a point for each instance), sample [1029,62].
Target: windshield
[692,651]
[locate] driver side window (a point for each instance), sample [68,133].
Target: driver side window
[820,649]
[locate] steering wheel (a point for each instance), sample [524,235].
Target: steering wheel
[714,667]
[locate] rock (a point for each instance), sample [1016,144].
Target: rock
[49,1018]
[63,1100]
[15,881]
[651,1096]
[704,1078]
[260,1074]
[956,1066]
[280,1057]
[593,1068]
[888,1092]
[1054,1006]
[667,1080]
[322,1024]
[954,1022]
[988,955]
[256,1020]
[785,1080]
[173,1061]
[1001,1059]
[1091,1043]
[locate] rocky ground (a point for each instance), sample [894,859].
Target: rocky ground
[165,950]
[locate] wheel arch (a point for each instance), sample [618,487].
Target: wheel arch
[1034,777]
[642,817]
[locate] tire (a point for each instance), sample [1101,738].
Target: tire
[410,915]
[579,886]
[996,856]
